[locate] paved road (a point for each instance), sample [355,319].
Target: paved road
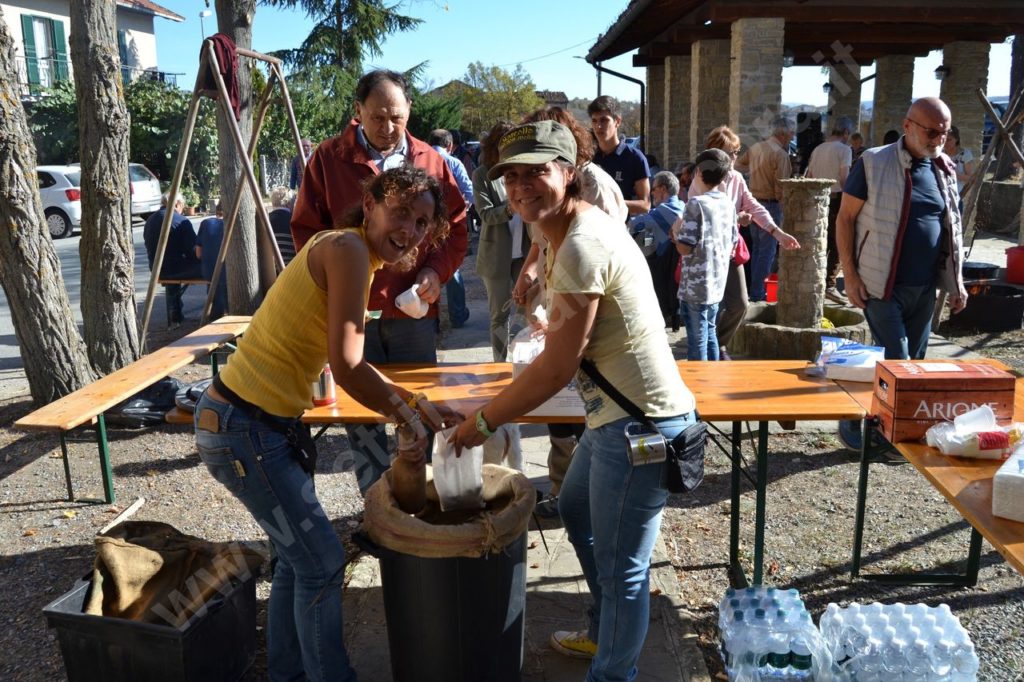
[12,380]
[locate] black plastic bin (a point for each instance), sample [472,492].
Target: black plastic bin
[218,643]
[454,619]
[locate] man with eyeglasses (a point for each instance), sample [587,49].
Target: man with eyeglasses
[900,236]
[832,160]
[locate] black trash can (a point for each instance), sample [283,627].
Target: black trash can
[454,583]
[454,619]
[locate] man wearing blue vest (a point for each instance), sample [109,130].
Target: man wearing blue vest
[667,208]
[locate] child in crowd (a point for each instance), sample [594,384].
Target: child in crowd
[706,236]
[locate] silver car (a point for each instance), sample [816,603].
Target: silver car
[60,190]
[145,190]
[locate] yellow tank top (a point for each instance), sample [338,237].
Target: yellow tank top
[285,347]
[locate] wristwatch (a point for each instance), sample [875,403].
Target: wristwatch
[482,426]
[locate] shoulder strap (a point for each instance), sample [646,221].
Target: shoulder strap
[622,401]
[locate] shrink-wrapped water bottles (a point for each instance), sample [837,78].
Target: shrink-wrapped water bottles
[910,643]
[767,634]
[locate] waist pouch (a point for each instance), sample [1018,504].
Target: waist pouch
[303,447]
[684,465]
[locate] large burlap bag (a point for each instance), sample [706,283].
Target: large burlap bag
[509,498]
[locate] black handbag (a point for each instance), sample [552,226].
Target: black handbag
[684,461]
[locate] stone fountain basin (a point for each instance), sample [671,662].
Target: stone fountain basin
[760,338]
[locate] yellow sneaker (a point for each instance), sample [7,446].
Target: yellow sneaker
[575,644]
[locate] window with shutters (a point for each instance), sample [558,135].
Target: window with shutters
[46,51]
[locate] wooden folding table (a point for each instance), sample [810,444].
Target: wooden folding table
[757,390]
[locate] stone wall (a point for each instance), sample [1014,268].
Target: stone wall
[654,126]
[755,85]
[709,80]
[894,85]
[968,71]
[677,111]
[844,99]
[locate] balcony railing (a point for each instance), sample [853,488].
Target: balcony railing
[36,75]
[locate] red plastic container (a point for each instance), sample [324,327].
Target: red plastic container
[771,287]
[1015,265]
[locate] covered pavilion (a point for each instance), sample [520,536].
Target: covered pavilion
[720,61]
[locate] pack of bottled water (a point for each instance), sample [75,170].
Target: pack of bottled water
[905,642]
[768,634]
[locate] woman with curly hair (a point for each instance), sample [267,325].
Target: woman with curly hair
[247,424]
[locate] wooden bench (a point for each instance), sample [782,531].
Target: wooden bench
[966,483]
[87,405]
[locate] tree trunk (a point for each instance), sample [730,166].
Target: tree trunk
[108,286]
[51,348]
[234,19]
[1004,164]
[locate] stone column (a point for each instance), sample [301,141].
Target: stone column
[894,87]
[677,111]
[844,99]
[755,84]
[968,71]
[654,142]
[802,271]
[709,90]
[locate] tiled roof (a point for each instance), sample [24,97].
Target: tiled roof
[151,8]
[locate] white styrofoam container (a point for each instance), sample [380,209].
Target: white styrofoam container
[1008,488]
[565,403]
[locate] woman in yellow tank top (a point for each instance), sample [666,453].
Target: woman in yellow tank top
[248,431]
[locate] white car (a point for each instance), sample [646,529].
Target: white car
[145,189]
[60,190]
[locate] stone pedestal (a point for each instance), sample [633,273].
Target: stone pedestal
[677,111]
[802,271]
[709,90]
[654,126]
[968,71]
[894,86]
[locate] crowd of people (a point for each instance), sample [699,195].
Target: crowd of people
[561,207]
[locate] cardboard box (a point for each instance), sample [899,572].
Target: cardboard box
[565,403]
[912,395]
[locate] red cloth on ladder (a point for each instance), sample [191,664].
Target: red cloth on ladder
[227,58]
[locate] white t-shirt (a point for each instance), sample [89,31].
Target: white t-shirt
[827,161]
[628,342]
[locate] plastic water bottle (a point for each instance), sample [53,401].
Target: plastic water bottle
[800,659]
[918,660]
[965,663]
[942,657]
[893,652]
[729,640]
[778,647]
[760,633]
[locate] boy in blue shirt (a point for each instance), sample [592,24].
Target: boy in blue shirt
[705,236]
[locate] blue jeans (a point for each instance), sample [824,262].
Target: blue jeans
[701,330]
[304,622]
[903,323]
[612,514]
[388,341]
[762,252]
[455,289]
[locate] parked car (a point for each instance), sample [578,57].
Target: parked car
[60,190]
[145,189]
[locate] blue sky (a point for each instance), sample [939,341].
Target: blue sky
[544,36]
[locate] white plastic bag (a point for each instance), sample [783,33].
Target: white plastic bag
[975,434]
[527,345]
[459,480]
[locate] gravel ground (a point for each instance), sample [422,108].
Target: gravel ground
[48,541]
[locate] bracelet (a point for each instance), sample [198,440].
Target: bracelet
[414,400]
[482,426]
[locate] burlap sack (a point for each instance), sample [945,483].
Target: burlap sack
[431,534]
[151,572]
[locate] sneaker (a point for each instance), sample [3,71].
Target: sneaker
[547,507]
[724,354]
[575,644]
[836,296]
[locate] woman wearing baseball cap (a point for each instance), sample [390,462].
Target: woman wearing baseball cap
[603,309]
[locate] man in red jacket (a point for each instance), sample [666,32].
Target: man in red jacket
[374,141]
